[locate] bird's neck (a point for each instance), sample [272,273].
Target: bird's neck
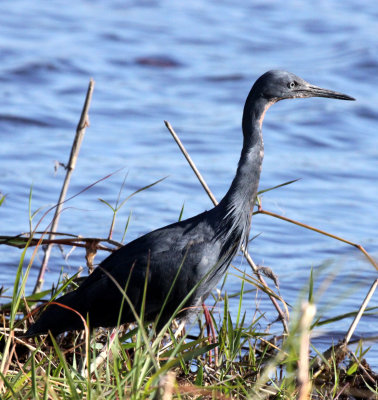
[236,206]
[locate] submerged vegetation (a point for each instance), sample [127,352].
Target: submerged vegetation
[248,357]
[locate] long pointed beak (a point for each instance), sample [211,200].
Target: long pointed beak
[315,91]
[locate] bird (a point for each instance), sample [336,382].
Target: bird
[176,267]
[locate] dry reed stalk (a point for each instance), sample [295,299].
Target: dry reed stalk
[308,313]
[166,386]
[80,131]
[20,242]
[360,312]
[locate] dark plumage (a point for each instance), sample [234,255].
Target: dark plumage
[202,246]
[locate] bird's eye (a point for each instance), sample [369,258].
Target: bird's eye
[292,85]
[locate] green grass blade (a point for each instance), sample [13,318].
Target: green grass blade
[108,204]
[34,378]
[126,227]
[2,198]
[278,186]
[63,362]
[141,190]
[182,211]
[311,287]
[9,386]
[187,356]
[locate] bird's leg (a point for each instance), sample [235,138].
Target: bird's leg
[208,321]
[210,331]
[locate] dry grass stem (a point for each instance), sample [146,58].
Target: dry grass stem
[191,163]
[360,312]
[311,228]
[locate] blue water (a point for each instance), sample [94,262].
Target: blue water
[193,64]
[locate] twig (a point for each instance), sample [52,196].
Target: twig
[358,246]
[20,242]
[360,312]
[80,131]
[341,391]
[213,199]
[372,380]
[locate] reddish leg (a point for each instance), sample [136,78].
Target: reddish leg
[210,331]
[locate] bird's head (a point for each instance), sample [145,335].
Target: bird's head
[278,85]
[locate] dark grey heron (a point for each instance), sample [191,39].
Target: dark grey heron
[185,260]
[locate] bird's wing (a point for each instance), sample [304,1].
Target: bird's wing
[182,250]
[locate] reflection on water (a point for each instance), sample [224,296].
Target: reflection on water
[193,64]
